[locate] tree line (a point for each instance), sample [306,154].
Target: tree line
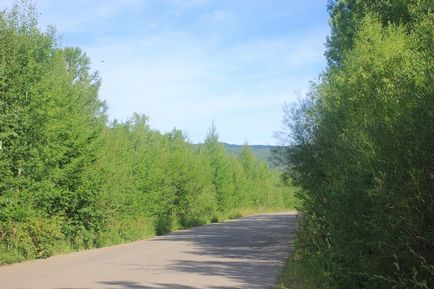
[71,179]
[361,148]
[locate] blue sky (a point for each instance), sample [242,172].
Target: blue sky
[188,63]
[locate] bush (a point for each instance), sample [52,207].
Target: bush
[361,153]
[35,238]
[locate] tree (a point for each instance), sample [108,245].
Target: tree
[71,180]
[347,16]
[360,151]
[220,169]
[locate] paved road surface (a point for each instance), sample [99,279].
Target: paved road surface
[243,253]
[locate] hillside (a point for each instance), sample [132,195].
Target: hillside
[262,152]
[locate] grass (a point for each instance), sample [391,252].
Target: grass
[289,278]
[297,275]
[124,231]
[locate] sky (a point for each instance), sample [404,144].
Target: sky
[190,63]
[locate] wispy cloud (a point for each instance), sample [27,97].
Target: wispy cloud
[180,81]
[186,63]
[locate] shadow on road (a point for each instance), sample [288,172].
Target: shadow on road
[248,251]
[134,285]
[254,248]
[261,237]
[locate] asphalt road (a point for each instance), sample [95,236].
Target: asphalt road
[243,253]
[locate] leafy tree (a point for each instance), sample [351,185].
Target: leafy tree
[220,168]
[361,152]
[71,180]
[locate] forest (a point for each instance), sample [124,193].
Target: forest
[358,150]
[72,179]
[360,147]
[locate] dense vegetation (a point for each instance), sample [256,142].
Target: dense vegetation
[361,148]
[69,179]
[261,152]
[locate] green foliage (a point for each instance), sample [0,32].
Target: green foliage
[35,237]
[220,171]
[362,155]
[261,152]
[346,17]
[69,180]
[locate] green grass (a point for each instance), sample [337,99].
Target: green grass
[291,277]
[124,231]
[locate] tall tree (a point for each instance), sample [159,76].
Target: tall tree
[361,151]
[220,168]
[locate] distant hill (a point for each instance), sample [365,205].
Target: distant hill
[262,152]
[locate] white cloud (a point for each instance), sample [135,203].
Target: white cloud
[178,62]
[180,81]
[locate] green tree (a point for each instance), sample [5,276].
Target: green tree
[361,152]
[71,180]
[347,16]
[220,167]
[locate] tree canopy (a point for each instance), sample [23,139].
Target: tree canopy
[361,149]
[70,179]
